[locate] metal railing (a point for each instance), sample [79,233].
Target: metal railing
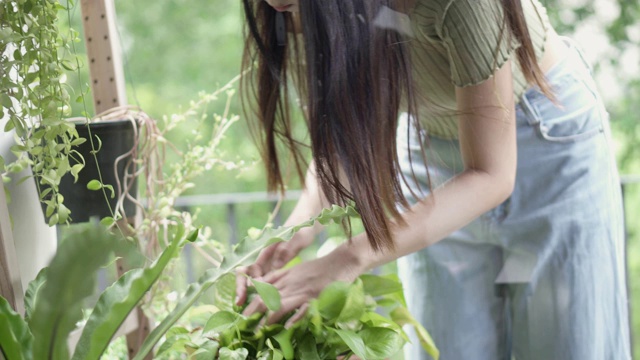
[231,200]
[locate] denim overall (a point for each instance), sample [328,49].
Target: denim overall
[540,277]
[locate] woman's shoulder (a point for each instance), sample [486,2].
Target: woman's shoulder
[436,12]
[439,8]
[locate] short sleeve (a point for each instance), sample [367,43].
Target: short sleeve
[476,39]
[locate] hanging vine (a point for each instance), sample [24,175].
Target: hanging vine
[35,98]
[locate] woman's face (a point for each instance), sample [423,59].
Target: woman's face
[284,5]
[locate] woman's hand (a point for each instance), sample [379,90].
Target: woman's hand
[278,255]
[304,282]
[270,259]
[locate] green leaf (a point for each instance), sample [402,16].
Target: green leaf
[354,305]
[315,325]
[18,149]
[107,221]
[5,101]
[277,354]
[110,188]
[23,179]
[177,330]
[193,236]
[307,348]
[228,354]
[221,321]
[372,343]
[375,285]
[284,340]
[245,253]
[206,351]
[10,125]
[63,213]
[336,214]
[269,294]
[75,170]
[97,149]
[117,301]
[53,220]
[184,303]
[32,293]
[373,319]
[173,342]
[67,65]
[70,279]
[15,342]
[332,299]
[353,341]
[50,208]
[402,317]
[36,150]
[94,185]
[381,343]
[225,292]
[78,141]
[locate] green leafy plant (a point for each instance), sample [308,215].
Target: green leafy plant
[54,299]
[345,320]
[34,97]
[243,254]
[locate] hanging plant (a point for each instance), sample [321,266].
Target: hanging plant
[34,98]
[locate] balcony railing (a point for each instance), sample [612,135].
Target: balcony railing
[231,200]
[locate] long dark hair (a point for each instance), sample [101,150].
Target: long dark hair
[354,78]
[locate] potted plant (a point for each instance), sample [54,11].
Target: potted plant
[107,159]
[83,254]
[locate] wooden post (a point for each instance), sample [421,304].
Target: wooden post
[10,282]
[108,89]
[103,51]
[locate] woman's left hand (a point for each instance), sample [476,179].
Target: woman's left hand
[303,282]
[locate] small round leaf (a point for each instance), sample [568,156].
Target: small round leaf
[94,185]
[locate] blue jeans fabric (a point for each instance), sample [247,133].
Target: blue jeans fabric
[540,277]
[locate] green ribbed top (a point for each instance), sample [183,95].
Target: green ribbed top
[459,43]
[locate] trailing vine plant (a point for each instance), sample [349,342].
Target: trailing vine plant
[35,99]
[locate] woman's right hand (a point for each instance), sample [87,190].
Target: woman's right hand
[278,255]
[270,259]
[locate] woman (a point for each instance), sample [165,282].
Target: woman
[496,187]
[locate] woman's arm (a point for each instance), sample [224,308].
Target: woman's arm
[488,145]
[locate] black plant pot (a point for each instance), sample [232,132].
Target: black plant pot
[117,138]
